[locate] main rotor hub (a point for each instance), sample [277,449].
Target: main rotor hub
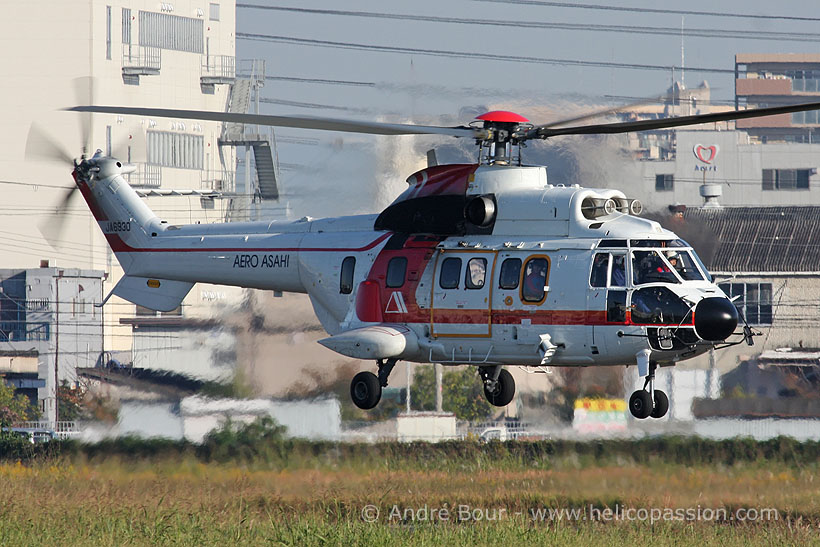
[503,129]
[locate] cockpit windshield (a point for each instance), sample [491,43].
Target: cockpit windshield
[649,267]
[667,266]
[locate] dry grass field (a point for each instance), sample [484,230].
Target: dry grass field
[327,494]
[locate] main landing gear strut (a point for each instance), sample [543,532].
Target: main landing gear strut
[648,402]
[366,387]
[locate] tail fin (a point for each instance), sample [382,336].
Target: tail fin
[128,225]
[125,220]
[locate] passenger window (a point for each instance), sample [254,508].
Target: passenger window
[618,277]
[510,272]
[535,280]
[450,273]
[600,270]
[396,269]
[475,274]
[346,276]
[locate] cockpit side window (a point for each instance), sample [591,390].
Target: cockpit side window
[649,267]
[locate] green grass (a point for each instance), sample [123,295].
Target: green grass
[246,489]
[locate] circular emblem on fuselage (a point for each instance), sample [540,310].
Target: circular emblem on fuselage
[508,301]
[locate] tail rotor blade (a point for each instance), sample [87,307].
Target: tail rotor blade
[40,145]
[84,91]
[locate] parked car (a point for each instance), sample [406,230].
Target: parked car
[32,434]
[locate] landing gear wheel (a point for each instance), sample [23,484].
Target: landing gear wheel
[365,390]
[504,390]
[661,406]
[640,404]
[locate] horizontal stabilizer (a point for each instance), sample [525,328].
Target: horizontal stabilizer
[154,294]
[374,342]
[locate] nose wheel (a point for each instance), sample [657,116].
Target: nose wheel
[648,402]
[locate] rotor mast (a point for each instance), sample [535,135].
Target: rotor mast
[501,130]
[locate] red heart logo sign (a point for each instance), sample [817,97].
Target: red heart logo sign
[706,154]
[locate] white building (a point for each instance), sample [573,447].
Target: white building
[178,54]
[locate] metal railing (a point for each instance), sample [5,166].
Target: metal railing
[141,59]
[218,180]
[218,67]
[64,430]
[253,69]
[146,176]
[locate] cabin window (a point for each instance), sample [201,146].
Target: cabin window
[346,277]
[510,273]
[475,273]
[450,273]
[534,286]
[396,270]
[600,270]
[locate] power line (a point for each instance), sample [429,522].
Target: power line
[576,27]
[651,10]
[468,55]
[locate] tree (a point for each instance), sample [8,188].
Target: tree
[462,393]
[14,408]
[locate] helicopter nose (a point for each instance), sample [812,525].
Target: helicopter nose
[715,319]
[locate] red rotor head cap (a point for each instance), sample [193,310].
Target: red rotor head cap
[502,116]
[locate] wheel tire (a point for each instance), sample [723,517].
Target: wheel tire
[504,390]
[661,406]
[365,390]
[640,404]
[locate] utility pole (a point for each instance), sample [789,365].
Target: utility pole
[57,348]
[439,394]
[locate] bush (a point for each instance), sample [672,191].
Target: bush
[256,440]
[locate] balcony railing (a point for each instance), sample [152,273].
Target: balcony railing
[141,60]
[218,69]
[146,176]
[218,180]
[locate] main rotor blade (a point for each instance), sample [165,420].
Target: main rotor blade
[647,125]
[84,93]
[301,122]
[603,112]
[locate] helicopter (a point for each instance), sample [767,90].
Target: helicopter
[484,264]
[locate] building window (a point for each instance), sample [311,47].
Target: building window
[805,118]
[108,32]
[214,12]
[126,26]
[171,32]
[664,183]
[178,150]
[754,301]
[786,179]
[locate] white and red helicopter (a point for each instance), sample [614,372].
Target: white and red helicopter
[484,264]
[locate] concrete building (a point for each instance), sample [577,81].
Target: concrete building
[774,79]
[50,314]
[179,54]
